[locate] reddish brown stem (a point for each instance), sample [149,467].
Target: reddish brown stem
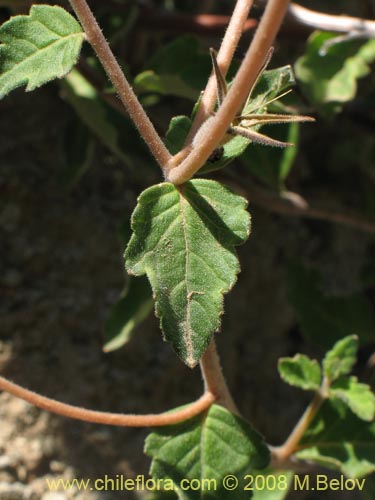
[100,417]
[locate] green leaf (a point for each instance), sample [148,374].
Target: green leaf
[38,48]
[207,448]
[179,68]
[133,307]
[113,129]
[184,239]
[357,396]
[338,439]
[325,319]
[341,358]
[301,371]
[272,485]
[177,132]
[329,77]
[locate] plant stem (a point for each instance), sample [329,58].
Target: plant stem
[117,77]
[214,379]
[237,94]
[99,417]
[282,453]
[224,58]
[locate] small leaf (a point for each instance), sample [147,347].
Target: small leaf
[184,239]
[207,448]
[326,319]
[329,77]
[341,358]
[272,485]
[133,307]
[38,48]
[357,396]
[338,439]
[301,372]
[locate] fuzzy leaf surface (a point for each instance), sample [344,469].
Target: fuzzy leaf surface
[184,239]
[339,440]
[341,358]
[38,48]
[358,397]
[207,447]
[301,371]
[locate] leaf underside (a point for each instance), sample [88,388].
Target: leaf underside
[38,48]
[184,239]
[207,447]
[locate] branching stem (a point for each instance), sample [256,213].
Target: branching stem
[237,94]
[214,379]
[122,86]
[99,417]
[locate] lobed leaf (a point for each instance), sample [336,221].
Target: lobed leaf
[341,358]
[207,447]
[184,239]
[38,48]
[301,371]
[358,397]
[339,440]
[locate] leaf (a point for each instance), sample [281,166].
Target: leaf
[339,440]
[184,239]
[300,371]
[113,129]
[207,448]
[358,397]
[275,485]
[38,48]
[329,77]
[133,307]
[179,68]
[324,319]
[341,358]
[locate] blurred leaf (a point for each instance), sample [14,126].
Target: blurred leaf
[341,358]
[358,397]
[207,447]
[324,319]
[300,371]
[38,48]
[133,307]
[77,152]
[177,132]
[339,440]
[272,165]
[179,68]
[184,239]
[329,79]
[112,128]
[277,485]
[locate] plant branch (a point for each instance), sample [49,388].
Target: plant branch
[214,379]
[282,453]
[293,204]
[99,417]
[224,58]
[237,94]
[117,77]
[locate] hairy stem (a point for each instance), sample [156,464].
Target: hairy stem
[237,94]
[224,58]
[117,77]
[214,379]
[282,453]
[100,417]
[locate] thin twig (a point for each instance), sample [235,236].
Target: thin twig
[117,77]
[214,379]
[99,417]
[224,58]
[282,453]
[295,205]
[237,94]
